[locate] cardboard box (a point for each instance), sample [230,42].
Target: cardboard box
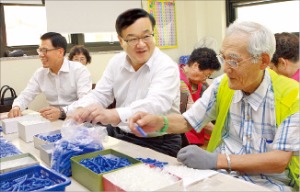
[87,177]
[38,142]
[29,128]
[10,125]
[144,181]
[16,162]
[46,152]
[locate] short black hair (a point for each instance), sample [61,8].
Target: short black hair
[205,57]
[77,49]
[57,40]
[287,47]
[128,17]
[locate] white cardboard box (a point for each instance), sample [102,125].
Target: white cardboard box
[10,125]
[46,152]
[29,128]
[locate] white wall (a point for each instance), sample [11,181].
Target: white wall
[195,20]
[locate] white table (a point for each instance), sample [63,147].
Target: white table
[218,182]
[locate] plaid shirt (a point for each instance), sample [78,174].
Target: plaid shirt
[250,127]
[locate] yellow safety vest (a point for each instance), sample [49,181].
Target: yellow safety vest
[286,93]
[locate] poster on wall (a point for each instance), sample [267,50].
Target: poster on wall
[165,31]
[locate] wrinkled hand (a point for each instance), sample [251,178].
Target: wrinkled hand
[50,113]
[96,113]
[14,112]
[195,157]
[148,122]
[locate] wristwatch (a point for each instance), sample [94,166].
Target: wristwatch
[62,115]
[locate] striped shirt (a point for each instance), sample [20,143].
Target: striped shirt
[250,127]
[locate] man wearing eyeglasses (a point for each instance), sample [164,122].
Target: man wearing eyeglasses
[60,80]
[256,134]
[140,78]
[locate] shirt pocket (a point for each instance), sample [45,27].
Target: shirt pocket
[262,143]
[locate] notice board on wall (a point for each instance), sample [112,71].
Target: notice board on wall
[165,31]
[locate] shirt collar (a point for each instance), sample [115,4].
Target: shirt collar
[64,68]
[149,63]
[255,99]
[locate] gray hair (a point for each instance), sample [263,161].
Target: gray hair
[261,39]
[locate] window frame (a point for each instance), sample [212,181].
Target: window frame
[231,6]
[76,39]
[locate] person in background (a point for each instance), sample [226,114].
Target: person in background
[60,80]
[81,54]
[256,134]
[140,78]
[285,60]
[200,66]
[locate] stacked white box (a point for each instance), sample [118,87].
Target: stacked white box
[11,125]
[29,128]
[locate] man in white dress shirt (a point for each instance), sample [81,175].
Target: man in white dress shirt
[142,78]
[60,80]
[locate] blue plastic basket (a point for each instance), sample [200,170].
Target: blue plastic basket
[33,178]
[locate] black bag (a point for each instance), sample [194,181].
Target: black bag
[6,102]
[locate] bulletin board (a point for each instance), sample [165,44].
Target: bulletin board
[165,31]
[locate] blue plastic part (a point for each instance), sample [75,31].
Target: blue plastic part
[33,178]
[153,162]
[64,150]
[141,131]
[101,164]
[7,149]
[50,138]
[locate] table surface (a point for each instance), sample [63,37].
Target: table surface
[218,182]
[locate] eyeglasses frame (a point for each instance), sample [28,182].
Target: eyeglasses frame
[130,42]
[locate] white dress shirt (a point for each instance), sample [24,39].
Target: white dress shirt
[154,88]
[72,82]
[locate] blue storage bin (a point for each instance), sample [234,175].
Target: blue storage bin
[34,178]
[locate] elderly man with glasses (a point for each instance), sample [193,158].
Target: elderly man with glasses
[142,78]
[256,134]
[60,80]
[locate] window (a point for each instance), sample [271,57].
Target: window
[19,26]
[22,25]
[277,15]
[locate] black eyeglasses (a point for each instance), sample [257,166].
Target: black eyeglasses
[135,40]
[44,50]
